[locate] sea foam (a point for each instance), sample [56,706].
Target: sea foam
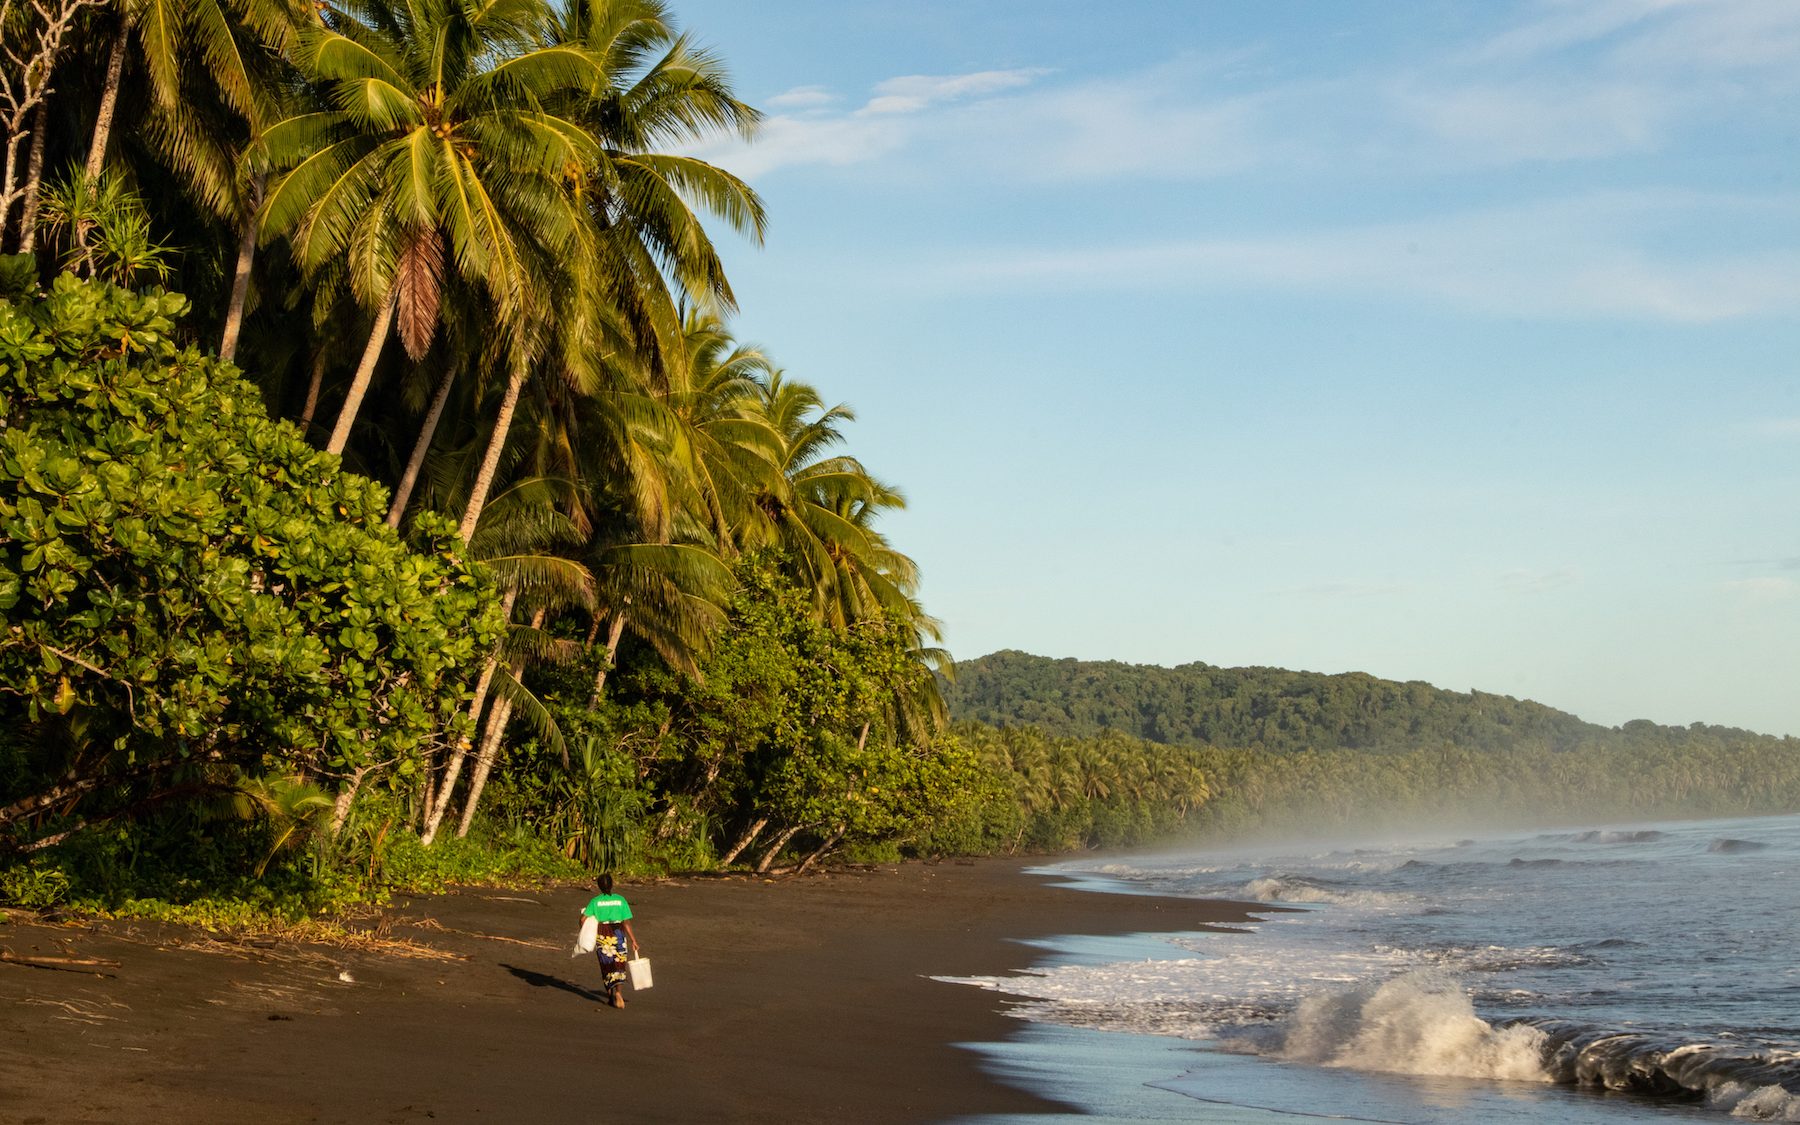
[1419,1023]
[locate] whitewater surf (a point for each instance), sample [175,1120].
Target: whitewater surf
[1604,973]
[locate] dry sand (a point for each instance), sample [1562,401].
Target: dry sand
[802,1000]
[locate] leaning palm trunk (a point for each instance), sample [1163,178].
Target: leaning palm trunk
[744,841]
[831,842]
[240,278]
[490,749]
[768,859]
[427,796]
[365,371]
[403,490]
[490,745]
[312,389]
[612,655]
[490,462]
[109,102]
[340,808]
[453,770]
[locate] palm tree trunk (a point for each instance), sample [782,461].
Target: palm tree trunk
[109,101]
[359,385]
[831,841]
[744,841]
[403,490]
[490,745]
[768,859]
[34,179]
[340,809]
[490,462]
[612,654]
[453,770]
[240,280]
[427,794]
[312,389]
[490,749]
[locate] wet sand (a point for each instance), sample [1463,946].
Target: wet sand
[801,1000]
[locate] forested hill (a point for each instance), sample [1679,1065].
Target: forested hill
[1269,708]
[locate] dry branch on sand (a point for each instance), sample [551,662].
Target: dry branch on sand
[94,965]
[434,924]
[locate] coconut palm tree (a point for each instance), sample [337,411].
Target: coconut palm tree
[522,544]
[234,43]
[436,156]
[823,516]
[217,79]
[657,91]
[735,453]
[648,245]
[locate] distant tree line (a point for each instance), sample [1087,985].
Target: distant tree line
[1279,710]
[1073,742]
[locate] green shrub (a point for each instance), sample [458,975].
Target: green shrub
[34,887]
[192,592]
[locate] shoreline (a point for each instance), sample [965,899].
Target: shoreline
[800,1000]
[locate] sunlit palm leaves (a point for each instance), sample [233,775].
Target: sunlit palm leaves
[435,155]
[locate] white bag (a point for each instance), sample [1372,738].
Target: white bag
[639,968]
[590,933]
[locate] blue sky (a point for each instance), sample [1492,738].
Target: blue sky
[1454,342]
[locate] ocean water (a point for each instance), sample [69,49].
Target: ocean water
[1603,974]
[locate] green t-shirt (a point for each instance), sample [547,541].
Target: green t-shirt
[608,908]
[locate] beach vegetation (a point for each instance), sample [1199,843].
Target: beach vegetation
[247,649]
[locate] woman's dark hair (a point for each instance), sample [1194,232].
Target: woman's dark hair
[604,882]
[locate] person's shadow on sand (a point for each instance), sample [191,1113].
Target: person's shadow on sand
[545,980]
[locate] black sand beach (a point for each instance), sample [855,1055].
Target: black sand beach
[804,1000]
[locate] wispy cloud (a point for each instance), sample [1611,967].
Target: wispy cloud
[802,98]
[1528,119]
[1538,581]
[1581,257]
[809,126]
[1776,427]
[916,92]
[1762,590]
[1579,79]
[1688,35]
[1568,80]
[1332,591]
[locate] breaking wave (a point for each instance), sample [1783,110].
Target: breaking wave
[1294,888]
[1725,845]
[1420,1023]
[1505,959]
[1423,1023]
[1617,836]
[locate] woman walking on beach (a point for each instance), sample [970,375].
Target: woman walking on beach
[613,914]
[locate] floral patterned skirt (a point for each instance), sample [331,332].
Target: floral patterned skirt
[611,949]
